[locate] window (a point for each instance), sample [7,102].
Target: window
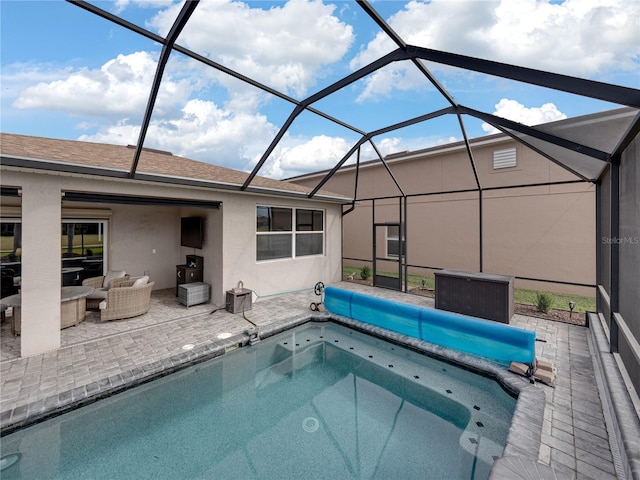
[504,158]
[271,243]
[82,239]
[309,232]
[10,256]
[393,241]
[82,249]
[279,236]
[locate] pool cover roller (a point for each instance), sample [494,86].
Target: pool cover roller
[485,338]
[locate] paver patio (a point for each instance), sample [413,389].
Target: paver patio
[574,441]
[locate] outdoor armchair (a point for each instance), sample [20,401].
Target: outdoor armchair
[129,299]
[102,284]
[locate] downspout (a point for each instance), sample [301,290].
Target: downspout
[355,187]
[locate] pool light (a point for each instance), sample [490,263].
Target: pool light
[8,460]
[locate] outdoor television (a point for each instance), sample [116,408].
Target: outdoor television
[192,232]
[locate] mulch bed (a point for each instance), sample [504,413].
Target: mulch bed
[577,318]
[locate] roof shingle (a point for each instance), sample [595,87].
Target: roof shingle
[117,157]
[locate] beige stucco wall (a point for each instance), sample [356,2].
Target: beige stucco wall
[143,239]
[545,232]
[276,276]
[146,239]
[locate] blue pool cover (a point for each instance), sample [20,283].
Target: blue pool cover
[485,338]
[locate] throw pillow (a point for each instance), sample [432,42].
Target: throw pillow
[141,282]
[112,275]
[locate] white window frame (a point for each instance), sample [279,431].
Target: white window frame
[395,238]
[294,232]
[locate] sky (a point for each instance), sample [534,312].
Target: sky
[67,73]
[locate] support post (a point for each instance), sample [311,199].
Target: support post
[41,274]
[615,253]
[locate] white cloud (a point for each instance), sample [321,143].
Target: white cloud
[203,131]
[120,87]
[264,43]
[15,76]
[302,155]
[119,133]
[576,37]
[515,111]
[284,46]
[121,5]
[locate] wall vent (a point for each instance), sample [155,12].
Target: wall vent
[504,158]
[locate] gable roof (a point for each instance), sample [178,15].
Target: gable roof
[154,165]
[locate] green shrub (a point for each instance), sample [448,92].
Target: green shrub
[543,302]
[365,272]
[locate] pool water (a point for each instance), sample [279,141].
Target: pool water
[319,401]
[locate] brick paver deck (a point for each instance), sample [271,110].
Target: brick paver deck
[97,356]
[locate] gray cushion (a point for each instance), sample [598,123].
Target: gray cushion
[98,294]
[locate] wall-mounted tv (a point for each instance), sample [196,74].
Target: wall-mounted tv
[192,232]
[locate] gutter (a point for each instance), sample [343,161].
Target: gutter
[122,174]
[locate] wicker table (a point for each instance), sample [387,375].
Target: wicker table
[73,309]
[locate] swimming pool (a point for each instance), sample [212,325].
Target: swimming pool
[318,401]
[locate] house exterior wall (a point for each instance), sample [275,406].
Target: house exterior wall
[135,232]
[146,239]
[544,232]
[276,276]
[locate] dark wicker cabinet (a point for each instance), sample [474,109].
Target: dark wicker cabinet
[191,272]
[482,295]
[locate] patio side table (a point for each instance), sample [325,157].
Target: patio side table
[194,293]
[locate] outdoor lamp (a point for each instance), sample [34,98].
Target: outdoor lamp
[572,305]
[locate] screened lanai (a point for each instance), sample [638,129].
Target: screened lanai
[592,155]
[606,156]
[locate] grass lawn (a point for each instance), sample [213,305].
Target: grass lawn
[560,300]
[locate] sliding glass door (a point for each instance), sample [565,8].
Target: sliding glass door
[83,248]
